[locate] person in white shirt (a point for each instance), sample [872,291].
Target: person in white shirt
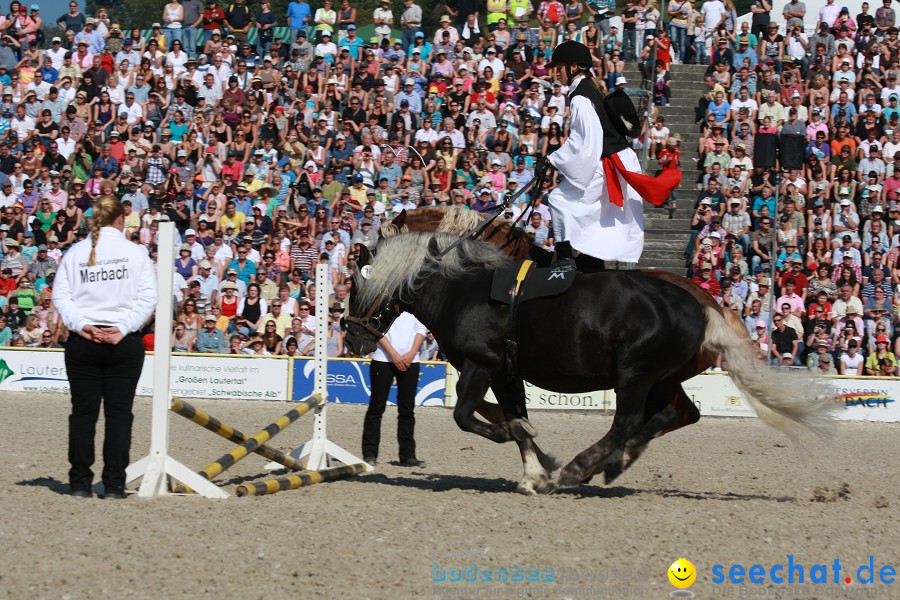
[105,292]
[486,117]
[133,111]
[40,87]
[383,19]
[491,60]
[326,47]
[428,133]
[713,12]
[828,14]
[852,362]
[57,53]
[396,357]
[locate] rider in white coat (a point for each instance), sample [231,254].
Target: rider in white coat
[594,209]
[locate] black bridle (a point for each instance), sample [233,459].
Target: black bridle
[370,322]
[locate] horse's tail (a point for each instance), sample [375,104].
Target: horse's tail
[793,403]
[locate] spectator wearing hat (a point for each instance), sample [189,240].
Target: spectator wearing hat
[14,259]
[821,362]
[91,37]
[210,339]
[881,362]
[383,19]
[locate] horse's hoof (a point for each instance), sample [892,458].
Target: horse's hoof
[610,474]
[526,489]
[521,429]
[568,480]
[532,487]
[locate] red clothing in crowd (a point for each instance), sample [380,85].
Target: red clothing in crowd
[711,285]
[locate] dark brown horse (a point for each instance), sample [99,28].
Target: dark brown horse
[516,244]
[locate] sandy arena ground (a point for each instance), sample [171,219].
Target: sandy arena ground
[721,492]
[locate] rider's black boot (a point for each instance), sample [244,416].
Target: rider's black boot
[564,260]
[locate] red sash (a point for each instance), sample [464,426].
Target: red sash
[654,190]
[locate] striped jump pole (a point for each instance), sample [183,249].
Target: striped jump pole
[292,482]
[207,421]
[254,442]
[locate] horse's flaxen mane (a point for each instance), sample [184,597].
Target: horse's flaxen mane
[400,265]
[459,221]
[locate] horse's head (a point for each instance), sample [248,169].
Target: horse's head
[366,324]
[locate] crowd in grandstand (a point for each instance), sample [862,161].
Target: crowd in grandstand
[799,138]
[274,152]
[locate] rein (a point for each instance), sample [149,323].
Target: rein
[536,182]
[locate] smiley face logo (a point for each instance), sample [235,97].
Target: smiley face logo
[682,573]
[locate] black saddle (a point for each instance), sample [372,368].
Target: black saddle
[524,282]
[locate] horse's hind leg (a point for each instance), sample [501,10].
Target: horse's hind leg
[677,412]
[629,420]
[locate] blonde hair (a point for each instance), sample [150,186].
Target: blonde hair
[106,210]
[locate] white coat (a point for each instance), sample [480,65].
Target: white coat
[118,290]
[582,212]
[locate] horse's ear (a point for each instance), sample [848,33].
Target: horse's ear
[400,220]
[434,250]
[364,258]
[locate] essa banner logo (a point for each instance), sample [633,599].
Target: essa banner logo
[348,382]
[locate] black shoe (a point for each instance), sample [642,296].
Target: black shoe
[113,495]
[80,493]
[411,462]
[370,460]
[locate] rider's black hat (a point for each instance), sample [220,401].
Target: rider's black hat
[572,52]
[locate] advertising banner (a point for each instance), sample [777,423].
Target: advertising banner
[192,376]
[867,399]
[716,396]
[858,399]
[539,399]
[222,376]
[33,371]
[267,378]
[348,382]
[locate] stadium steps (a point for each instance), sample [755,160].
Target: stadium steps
[665,238]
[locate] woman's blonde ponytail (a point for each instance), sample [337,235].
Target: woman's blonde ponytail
[106,210]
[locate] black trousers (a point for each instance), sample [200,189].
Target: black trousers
[381,375]
[111,373]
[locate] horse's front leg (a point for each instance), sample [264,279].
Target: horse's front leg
[536,466]
[470,390]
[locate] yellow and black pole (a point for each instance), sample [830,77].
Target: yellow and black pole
[207,421]
[254,442]
[292,482]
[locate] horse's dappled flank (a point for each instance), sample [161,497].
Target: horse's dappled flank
[400,264]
